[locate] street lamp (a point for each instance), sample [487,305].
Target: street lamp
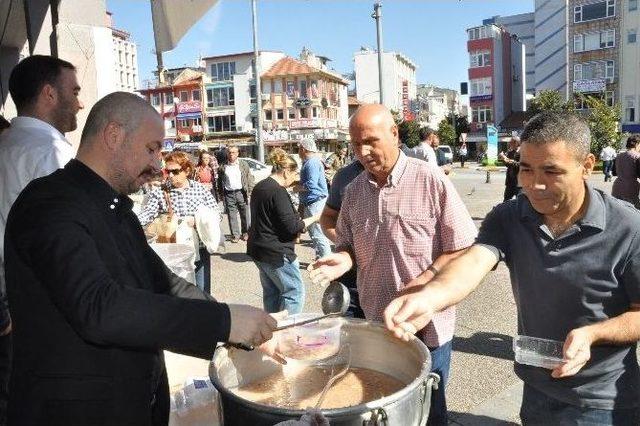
[256,59]
[377,15]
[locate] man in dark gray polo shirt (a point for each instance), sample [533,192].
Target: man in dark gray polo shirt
[573,254]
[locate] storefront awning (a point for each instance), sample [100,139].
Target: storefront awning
[188,115]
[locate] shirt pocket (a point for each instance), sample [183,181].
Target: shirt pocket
[417,231]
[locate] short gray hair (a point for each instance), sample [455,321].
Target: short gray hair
[549,127]
[126,109]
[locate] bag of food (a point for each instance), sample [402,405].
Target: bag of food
[163,228]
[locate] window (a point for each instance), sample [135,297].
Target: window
[266,87]
[609,98]
[184,96]
[480,59]
[590,12]
[304,113]
[223,71]
[168,98]
[633,5]
[314,112]
[268,115]
[155,99]
[280,114]
[173,124]
[594,41]
[480,87]
[593,70]
[479,33]
[252,92]
[581,100]
[220,97]
[481,114]
[121,77]
[631,36]
[277,86]
[183,123]
[303,88]
[195,95]
[222,123]
[630,111]
[292,114]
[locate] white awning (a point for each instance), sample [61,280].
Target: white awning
[172,19]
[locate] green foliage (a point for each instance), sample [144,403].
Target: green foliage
[409,133]
[446,133]
[603,122]
[549,100]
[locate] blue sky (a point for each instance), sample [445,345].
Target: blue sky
[430,32]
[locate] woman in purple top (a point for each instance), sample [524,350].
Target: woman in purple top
[627,169]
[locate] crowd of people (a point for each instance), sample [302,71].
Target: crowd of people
[91,306]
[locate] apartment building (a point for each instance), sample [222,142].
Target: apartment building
[594,61]
[125,54]
[629,66]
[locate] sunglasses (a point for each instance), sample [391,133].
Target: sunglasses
[174,171]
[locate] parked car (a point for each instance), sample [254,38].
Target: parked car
[259,170]
[448,153]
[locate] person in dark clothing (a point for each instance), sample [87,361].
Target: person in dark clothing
[275,225]
[512,161]
[93,306]
[329,220]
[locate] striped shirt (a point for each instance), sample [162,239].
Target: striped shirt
[185,202]
[396,231]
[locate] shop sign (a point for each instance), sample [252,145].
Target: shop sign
[589,86]
[480,98]
[190,106]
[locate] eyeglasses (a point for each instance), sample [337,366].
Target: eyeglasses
[174,171]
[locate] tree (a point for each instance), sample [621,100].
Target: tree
[446,133]
[409,133]
[549,100]
[603,121]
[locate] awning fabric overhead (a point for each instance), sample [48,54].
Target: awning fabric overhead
[172,19]
[189,115]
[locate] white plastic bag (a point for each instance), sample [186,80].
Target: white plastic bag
[179,258]
[208,226]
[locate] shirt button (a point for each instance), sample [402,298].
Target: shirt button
[112,206]
[115,200]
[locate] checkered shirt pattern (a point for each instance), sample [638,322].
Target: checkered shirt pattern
[185,202]
[395,232]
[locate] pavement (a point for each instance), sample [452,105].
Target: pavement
[482,389]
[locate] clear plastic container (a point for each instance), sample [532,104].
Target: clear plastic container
[310,342]
[538,352]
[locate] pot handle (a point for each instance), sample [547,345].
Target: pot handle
[378,417]
[428,386]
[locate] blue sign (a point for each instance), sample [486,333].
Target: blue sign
[492,143]
[480,98]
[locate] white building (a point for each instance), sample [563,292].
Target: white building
[436,104]
[522,26]
[399,79]
[630,63]
[551,46]
[125,59]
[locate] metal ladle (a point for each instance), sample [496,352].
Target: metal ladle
[335,302]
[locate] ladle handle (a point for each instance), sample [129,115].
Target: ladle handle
[243,346]
[309,321]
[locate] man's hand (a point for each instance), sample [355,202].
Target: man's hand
[329,268]
[576,352]
[408,313]
[250,325]
[270,347]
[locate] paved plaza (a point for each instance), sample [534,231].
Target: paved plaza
[483,389]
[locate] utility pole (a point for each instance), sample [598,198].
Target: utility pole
[158,51]
[377,15]
[256,59]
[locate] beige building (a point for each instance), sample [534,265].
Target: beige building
[73,30]
[629,66]
[125,55]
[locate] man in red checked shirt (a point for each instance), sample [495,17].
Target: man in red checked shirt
[401,221]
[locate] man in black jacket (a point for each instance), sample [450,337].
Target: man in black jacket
[93,306]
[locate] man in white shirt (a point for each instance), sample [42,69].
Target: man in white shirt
[235,182]
[45,91]
[608,156]
[424,150]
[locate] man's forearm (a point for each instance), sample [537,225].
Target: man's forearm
[460,276]
[437,265]
[621,330]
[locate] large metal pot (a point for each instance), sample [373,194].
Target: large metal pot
[372,346]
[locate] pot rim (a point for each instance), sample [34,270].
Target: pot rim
[366,407]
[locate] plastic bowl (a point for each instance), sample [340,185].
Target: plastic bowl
[310,342]
[538,352]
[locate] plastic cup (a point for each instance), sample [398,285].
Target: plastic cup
[538,352]
[310,342]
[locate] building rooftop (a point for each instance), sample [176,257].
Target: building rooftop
[289,66]
[228,55]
